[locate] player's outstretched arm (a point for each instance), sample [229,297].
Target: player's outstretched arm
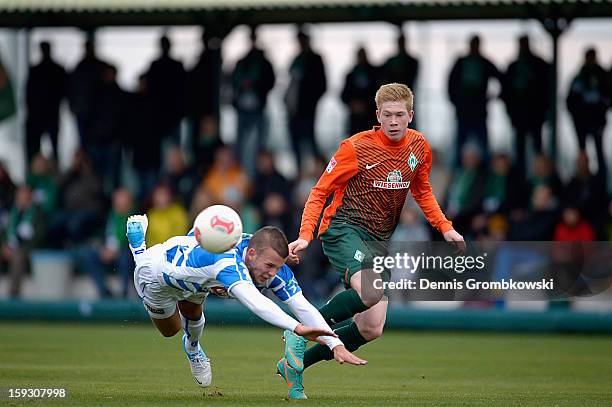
[264,308]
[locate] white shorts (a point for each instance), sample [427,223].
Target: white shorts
[159,300]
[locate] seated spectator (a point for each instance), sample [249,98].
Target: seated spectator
[114,252]
[543,172]
[25,231]
[503,189]
[268,180]
[572,227]
[167,216]
[538,223]
[467,188]
[7,191]
[439,176]
[200,201]
[82,204]
[178,175]
[226,181]
[587,193]
[276,211]
[42,179]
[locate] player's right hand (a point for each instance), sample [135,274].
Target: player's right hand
[295,248]
[344,356]
[312,333]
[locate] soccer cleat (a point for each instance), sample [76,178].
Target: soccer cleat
[295,346]
[136,230]
[293,379]
[200,365]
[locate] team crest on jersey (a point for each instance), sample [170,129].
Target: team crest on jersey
[412,161]
[394,181]
[331,165]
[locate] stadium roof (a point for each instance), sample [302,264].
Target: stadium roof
[31,13]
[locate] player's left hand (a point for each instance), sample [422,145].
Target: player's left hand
[312,333]
[456,240]
[342,355]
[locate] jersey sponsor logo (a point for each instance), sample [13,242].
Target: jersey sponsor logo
[154,310]
[217,222]
[331,165]
[394,181]
[412,161]
[370,166]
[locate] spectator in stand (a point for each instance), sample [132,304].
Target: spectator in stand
[25,231]
[114,252]
[201,200]
[166,83]
[588,101]
[82,204]
[142,139]
[226,181]
[525,90]
[572,227]
[538,223]
[178,175]
[544,173]
[587,193]
[306,86]
[84,87]
[43,181]
[439,176]
[467,188]
[504,186]
[108,130]
[467,88]
[276,211]
[252,80]
[268,180]
[401,68]
[167,217]
[45,89]
[359,86]
[203,94]
[7,191]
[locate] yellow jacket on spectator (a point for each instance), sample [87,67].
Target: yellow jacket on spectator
[165,223]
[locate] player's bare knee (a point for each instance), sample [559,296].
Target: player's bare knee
[371,332]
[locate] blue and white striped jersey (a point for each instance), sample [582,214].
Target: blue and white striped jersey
[188,267]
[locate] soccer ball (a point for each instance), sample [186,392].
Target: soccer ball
[217,228]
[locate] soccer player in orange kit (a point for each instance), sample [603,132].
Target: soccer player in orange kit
[369,176]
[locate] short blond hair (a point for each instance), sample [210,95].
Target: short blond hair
[394,92]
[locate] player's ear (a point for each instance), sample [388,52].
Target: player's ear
[378,116]
[410,116]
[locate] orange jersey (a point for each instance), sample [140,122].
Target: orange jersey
[370,177]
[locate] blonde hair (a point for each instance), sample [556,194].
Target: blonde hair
[394,92]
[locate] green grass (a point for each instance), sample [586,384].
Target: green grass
[130,364]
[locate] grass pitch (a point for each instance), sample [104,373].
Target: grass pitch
[131,364]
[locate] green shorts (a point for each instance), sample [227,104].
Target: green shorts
[350,249]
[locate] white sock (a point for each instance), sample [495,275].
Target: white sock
[193,330]
[138,250]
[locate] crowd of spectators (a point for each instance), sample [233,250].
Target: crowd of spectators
[487,194]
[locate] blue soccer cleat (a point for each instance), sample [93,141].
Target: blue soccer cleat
[293,379]
[136,231]
[199,364]
[295,346]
